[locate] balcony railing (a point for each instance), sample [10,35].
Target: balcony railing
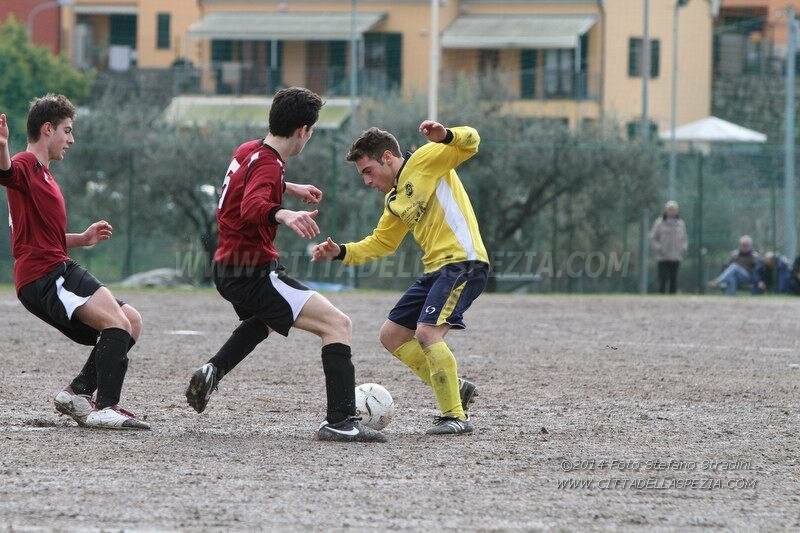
[532,84]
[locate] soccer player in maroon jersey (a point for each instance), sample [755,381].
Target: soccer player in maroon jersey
[52,286]
[247,272]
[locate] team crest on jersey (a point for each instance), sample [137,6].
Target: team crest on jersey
[409,190]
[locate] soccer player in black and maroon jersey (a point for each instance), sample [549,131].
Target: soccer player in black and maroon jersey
[247,272]
[52,286]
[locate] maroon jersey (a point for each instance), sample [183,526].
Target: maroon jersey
[38,218]
[251,195]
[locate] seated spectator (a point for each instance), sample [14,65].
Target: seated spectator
[773,274]
[794,277]
[740,271]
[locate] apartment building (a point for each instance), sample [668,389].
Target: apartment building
[568,60]
[751,36]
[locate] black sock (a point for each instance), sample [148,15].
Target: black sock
[242,341]
[111,359]
[86,381]
[340,382]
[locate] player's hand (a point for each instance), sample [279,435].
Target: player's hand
[325,251]
[3,131]
[99,231]
[308,194]
[301,222]
[433,131]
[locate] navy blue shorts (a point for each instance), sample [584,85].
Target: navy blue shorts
[441,297]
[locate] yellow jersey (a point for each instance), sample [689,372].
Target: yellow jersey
[430,201]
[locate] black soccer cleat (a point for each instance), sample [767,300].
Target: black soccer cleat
[349,430]
[466,389]
[203,382]
[448,425]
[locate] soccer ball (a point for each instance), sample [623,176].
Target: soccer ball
[374,405]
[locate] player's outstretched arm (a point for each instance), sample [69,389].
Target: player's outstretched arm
[433,131]
[325,251]
[5,155]
[99,231]
[306,193]
[301,222]
[448,147]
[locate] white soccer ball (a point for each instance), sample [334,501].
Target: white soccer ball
[374,405]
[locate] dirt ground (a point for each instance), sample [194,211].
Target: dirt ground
[677,412]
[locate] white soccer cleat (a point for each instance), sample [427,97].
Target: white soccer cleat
[76,406]
[114,417]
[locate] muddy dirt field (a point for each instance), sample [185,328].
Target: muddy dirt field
[594,412]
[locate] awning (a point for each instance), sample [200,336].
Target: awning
[105,9]
[282,26]
[517,31]
[244,111]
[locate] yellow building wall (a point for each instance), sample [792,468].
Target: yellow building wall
[183,13]
[623,94]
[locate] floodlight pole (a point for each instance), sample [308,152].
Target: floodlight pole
[790,179]
[433,75]
[645,66]
[673,145]
[353,68]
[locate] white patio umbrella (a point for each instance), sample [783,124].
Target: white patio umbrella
[714,130]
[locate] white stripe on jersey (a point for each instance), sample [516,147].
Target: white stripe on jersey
[455,218]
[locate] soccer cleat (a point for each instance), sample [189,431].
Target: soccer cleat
[349,430]
[448,425]
[466,389]
[76,406]
[203,382]
[114,417]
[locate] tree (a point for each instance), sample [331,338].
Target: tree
[29,71]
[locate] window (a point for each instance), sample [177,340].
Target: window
[635,126]
[528,73]
[383,69]
[488,61]
[162,31]
[559,71]
[635,46]
[122,30]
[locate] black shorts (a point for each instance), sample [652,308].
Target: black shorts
[441,297]
[267,293]
[55,296]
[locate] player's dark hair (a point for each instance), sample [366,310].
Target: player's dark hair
[52,108]
[293,108]
[373,143]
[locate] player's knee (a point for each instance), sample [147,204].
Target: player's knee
[427,335]
[389,338]
[135,320]
[119,321]
[339,324]
[346,324]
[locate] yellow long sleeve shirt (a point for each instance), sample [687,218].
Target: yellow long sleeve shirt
[430,201]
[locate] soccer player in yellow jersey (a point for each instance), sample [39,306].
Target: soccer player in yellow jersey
[424,196]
